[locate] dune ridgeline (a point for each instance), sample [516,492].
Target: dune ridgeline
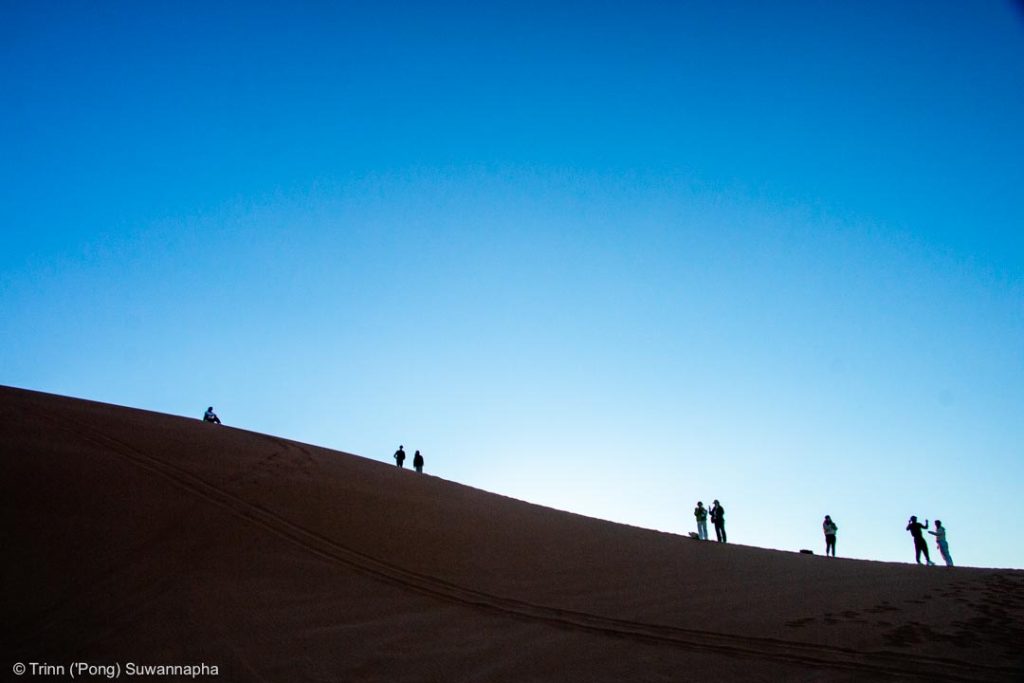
[137,539]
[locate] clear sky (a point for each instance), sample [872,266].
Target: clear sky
[610,257]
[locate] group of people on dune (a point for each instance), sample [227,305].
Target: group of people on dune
[417,460]
[717,515]
[921,547]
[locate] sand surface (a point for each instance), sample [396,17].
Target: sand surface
[132,536]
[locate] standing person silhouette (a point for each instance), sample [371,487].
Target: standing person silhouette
[400,456]
[718,519]
[701,514]
[211,416]
[830,528]
[417,462]
[915,528]
[940,541]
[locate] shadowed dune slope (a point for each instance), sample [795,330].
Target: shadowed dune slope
[132,536]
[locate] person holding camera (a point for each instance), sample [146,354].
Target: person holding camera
[915,528]
[701,514]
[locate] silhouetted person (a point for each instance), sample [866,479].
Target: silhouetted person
[830,529]
[718,519]
[400,456]
[940,540]
[915,528]
[211,416]
[417,462]
[701,514]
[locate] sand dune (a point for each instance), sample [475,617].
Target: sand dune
[136,537]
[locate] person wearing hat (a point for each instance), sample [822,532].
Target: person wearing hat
[915,528]
[718,519]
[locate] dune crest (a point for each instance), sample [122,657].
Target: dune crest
[136,537]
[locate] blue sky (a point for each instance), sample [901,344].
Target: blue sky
[608,257]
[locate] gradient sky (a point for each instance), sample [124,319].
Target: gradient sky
[608,257]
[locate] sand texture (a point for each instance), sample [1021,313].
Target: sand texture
[132,536]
